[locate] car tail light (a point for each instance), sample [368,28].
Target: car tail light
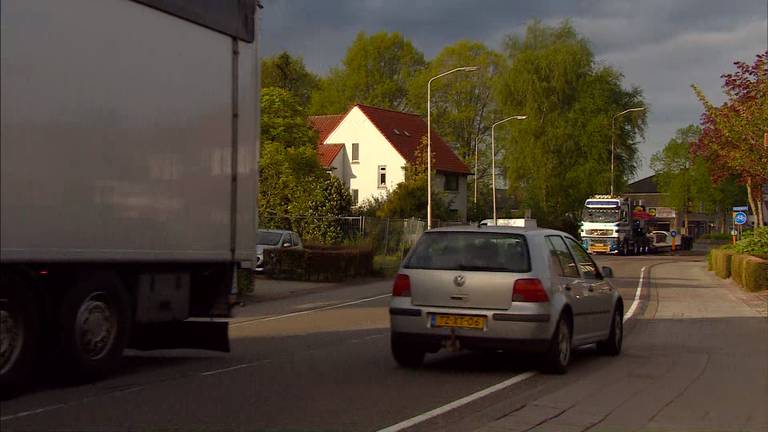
[402,286]
[529,290]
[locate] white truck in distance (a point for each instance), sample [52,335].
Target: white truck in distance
[609,226]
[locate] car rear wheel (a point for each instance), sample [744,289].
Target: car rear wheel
[558,356]
[612,345]
[406,354]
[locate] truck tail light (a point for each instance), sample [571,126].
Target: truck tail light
[529,290]
[402,286]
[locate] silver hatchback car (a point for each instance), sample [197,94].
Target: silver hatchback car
[502,288]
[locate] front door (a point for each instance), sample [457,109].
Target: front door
[598,294]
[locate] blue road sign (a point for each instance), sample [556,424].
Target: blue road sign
[673,233]
[740,218]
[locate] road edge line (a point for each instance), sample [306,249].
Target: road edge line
[636,300]
[292,314]
[457,403]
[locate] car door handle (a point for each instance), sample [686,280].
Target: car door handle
[568,287]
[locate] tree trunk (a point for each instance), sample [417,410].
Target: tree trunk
[752,201]
[760,215]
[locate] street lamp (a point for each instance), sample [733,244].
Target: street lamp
[493,159]
[429,138]
[613,136]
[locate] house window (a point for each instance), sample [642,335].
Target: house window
[355,152]
[354,196]
[451,182]
[382,176]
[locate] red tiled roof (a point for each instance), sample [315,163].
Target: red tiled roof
[324,125]
[327,153]
[404,131]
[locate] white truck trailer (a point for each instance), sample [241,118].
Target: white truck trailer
[129,177]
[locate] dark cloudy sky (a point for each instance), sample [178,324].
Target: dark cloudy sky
[660,45]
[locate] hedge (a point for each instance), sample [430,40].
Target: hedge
[755,276]
[326,264]
[721,262]
[748,271]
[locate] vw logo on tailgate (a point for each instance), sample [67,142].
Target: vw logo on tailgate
[459,280]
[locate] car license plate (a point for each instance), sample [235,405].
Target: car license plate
[599,248]
[460,321]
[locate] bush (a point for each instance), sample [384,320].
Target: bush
[329,263]
[738,262]
[709,260]
[721,262]
[386,265]
[755,243]
[755,274]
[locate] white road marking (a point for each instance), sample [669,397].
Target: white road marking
[293,314]
[26,413]
[83,400]
[636,301]
[240,366]
[455,404]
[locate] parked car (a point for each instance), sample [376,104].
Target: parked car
[502,288]
[267,238]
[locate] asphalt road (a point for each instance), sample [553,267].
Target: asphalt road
[695,358]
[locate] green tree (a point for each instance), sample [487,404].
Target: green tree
[675,173]
[562,153]
[409,198]
[295,192]
[462,105]
[375,71]
[289,73]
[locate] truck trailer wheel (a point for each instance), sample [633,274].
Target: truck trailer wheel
[95,322]
[19,333]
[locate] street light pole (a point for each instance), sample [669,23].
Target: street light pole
[613,120]
[476,140]
[429,137]
[493,159]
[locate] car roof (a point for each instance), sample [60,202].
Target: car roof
[501,229]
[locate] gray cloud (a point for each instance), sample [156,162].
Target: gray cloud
[660,45]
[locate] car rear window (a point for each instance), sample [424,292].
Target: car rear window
[471,251]
[268,238]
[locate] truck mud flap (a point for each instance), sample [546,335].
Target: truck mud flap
[206,335]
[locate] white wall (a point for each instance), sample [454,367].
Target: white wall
[341,168]
[375,150]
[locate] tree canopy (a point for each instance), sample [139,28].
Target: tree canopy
[734,138]
[295,192]
[562,153]
[375,71]
[289,73]
[462,105]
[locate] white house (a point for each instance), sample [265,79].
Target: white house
[368,148]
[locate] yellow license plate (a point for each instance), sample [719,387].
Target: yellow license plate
[460,321]
[599,248]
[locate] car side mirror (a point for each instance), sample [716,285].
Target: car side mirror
[286,244]
[607,272]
